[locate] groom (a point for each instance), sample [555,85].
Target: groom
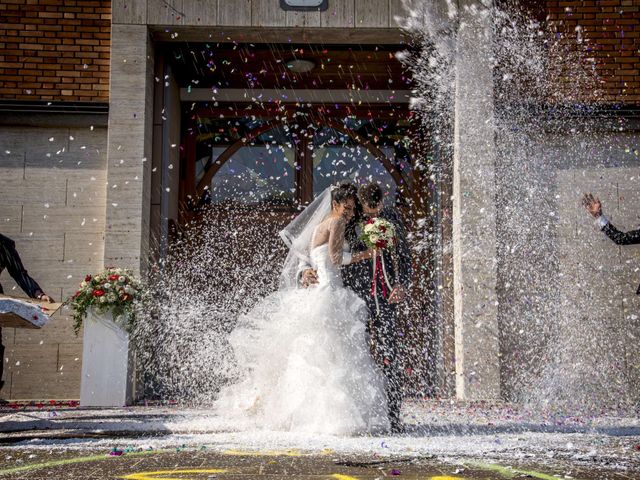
[359,278]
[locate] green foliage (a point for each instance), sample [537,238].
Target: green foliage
[113,290]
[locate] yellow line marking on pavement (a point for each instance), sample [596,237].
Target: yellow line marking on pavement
[154,475]
[271,453]
[337,476]
[276,453]
[71,461]
[510,472]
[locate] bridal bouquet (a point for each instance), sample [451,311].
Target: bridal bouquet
[378,233]
[114,289]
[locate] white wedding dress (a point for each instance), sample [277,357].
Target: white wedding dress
[307,361]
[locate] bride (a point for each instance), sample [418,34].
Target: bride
[304,352]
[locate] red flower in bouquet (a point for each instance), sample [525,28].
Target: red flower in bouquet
[98,293]
[378,233]
[381,244]
[87,278]
[113,278]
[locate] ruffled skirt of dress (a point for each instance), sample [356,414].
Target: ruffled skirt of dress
[307,364]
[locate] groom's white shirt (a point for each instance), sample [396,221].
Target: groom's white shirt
[601,221]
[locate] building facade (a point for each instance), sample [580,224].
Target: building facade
[101,136]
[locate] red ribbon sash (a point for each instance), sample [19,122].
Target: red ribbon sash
[378,274]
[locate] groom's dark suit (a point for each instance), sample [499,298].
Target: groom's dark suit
[382,326]
[621,238]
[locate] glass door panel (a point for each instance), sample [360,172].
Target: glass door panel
[255,174]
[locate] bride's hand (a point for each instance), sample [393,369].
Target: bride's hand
[309,277]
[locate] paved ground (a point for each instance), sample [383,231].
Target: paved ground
[201,463]
[442,442]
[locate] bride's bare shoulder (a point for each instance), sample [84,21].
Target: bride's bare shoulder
[336,223]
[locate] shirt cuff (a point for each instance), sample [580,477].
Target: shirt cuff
[601,222]
[346,258]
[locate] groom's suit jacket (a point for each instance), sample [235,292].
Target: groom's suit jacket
[358,276]
[620,238]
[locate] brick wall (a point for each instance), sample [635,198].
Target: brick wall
[55,50]
[609,31]
[59,49]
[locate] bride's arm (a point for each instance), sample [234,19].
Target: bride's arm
[336,241]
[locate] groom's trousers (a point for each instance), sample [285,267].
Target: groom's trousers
[382,331]
[384,348]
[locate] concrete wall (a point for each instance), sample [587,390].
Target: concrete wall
[256,13]
[52,203]
[568,310]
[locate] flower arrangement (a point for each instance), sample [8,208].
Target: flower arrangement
[114,289]
[378,233]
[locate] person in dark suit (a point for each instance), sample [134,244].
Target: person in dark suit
[10,260]
[359,278]
[383,321]
[594,207]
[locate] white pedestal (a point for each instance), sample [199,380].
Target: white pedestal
[107,364]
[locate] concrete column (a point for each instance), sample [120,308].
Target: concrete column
[474,210]
[129,147]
